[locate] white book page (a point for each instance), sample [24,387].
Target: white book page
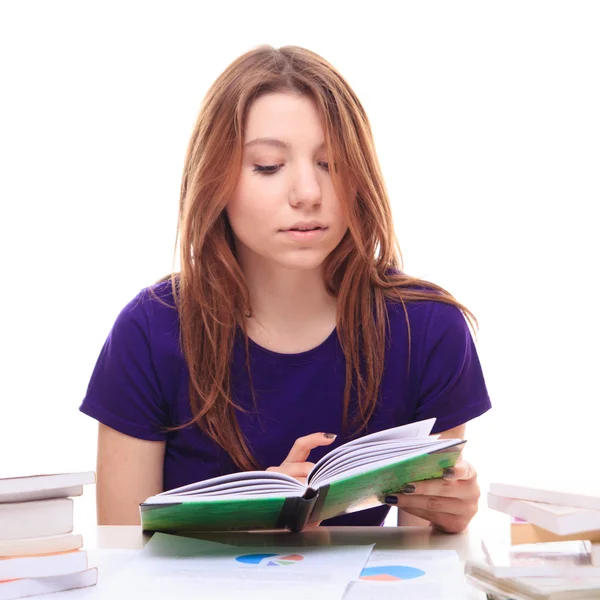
[420,429]
[374,454]
[416,432]
[325,479]
[259,485]
[343,452]
[271,492]
[278,482]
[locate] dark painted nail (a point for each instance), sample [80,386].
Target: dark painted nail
[391,500]
[330,436]
[449,473]
[409,489]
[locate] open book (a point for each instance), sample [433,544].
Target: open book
[351,477]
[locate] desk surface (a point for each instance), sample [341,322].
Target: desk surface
[467,544]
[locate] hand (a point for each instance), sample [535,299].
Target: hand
[448,503]
[295,463]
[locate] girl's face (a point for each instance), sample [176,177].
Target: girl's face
[284,210]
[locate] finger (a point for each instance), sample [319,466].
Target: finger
[432,504]
[464,489]
[462,470]
[303,445]
[301,469]
[445,522]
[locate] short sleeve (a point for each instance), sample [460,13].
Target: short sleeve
[451,385]
[124,392]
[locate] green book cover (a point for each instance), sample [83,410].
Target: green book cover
[364,490]
[213,515]
[354,476]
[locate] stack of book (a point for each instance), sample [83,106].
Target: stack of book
[39,551]
[552,551]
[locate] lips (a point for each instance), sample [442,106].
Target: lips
[306,226]
[303,229]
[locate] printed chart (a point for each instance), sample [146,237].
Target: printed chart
[270,560]
[390,573]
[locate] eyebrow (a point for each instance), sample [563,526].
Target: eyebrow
[268,141]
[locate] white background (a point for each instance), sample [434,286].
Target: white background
[486,119]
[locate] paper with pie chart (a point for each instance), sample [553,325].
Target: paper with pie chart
[313,563]
[196,558]
[391,573]
[270,560]
[415,574]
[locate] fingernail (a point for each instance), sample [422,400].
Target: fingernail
[448,473]
[330,436]
[390,500]
[408,489]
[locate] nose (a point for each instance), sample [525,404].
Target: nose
[306,189]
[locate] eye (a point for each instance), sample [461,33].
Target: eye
[267,169]
[325,165]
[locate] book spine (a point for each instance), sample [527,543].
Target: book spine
[456,446]
[295,512]
[315,515]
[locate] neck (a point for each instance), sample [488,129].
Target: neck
[288,302]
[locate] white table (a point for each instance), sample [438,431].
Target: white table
[467,544]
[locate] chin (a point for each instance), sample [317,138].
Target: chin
[302,263]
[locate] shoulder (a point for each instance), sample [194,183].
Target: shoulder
[424,305]
[151,306]
[425,318]
[146,333]
[138,370]
[149,322]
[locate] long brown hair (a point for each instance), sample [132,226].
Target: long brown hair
[210,290]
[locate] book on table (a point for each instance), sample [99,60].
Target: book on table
[39,552]
[577,494]
[43,565]
[576,587]
[36,518]
[33,508]
[351,477]
[23,588]
[44,487]
[523,532]
[47,544]
[559,519]
[549,559]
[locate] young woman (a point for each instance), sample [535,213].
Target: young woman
[290,327]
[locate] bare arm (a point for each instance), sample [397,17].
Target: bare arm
[128,471]
[407,519]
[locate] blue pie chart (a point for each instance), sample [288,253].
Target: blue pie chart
[271,560]
[390,573]
[253,559]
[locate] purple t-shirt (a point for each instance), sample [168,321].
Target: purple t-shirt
[139,386]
